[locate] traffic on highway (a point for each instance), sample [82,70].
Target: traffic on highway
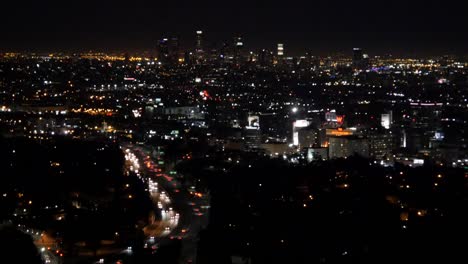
[179,211]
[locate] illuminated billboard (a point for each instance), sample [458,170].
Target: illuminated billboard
[300,123]
[254,121]
[386,121]
[339,132]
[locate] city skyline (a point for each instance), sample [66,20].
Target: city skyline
[415,28]
[209,132]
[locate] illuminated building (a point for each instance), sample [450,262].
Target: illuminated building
[360,60]
[168,50]
[280,48]
[317,154]
[184,112]
[333,120]
[149,111]
[238,47]
[238,42]
[199,44]
[345,146]
[252,133]
[252,138]
[386,120]
[163,50]
[330,116]
[381,144]
[403,139]
[437,139]
[357,56]
[277,149]
[297,125]
[339,132]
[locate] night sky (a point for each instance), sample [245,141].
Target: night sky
[323,27]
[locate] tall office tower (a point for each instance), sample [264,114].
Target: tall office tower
[223,52]
[403,139]
[163,50]
[252,138]
[238,42]
[365,60]
[174,49]
[238,47]
[199,42]
[264,57]
[357,56]
[252,133]
[360,60]
[280,52]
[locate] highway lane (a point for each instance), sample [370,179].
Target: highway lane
[187,212]
[169,218]
[180,212]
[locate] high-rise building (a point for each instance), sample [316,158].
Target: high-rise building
[264,57]
[188,57]
[223,51]
[252,138]
[280,50]
[360,60]
[357,56]
[199,42]
[238,47]
[238,42]
[252,133]
[174,49]
[163,50]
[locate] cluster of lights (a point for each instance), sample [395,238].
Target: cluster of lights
[94,111]
[5,109]
[169,217]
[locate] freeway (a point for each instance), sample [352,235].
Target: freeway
[183,211]
[169,218]
[180,212]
